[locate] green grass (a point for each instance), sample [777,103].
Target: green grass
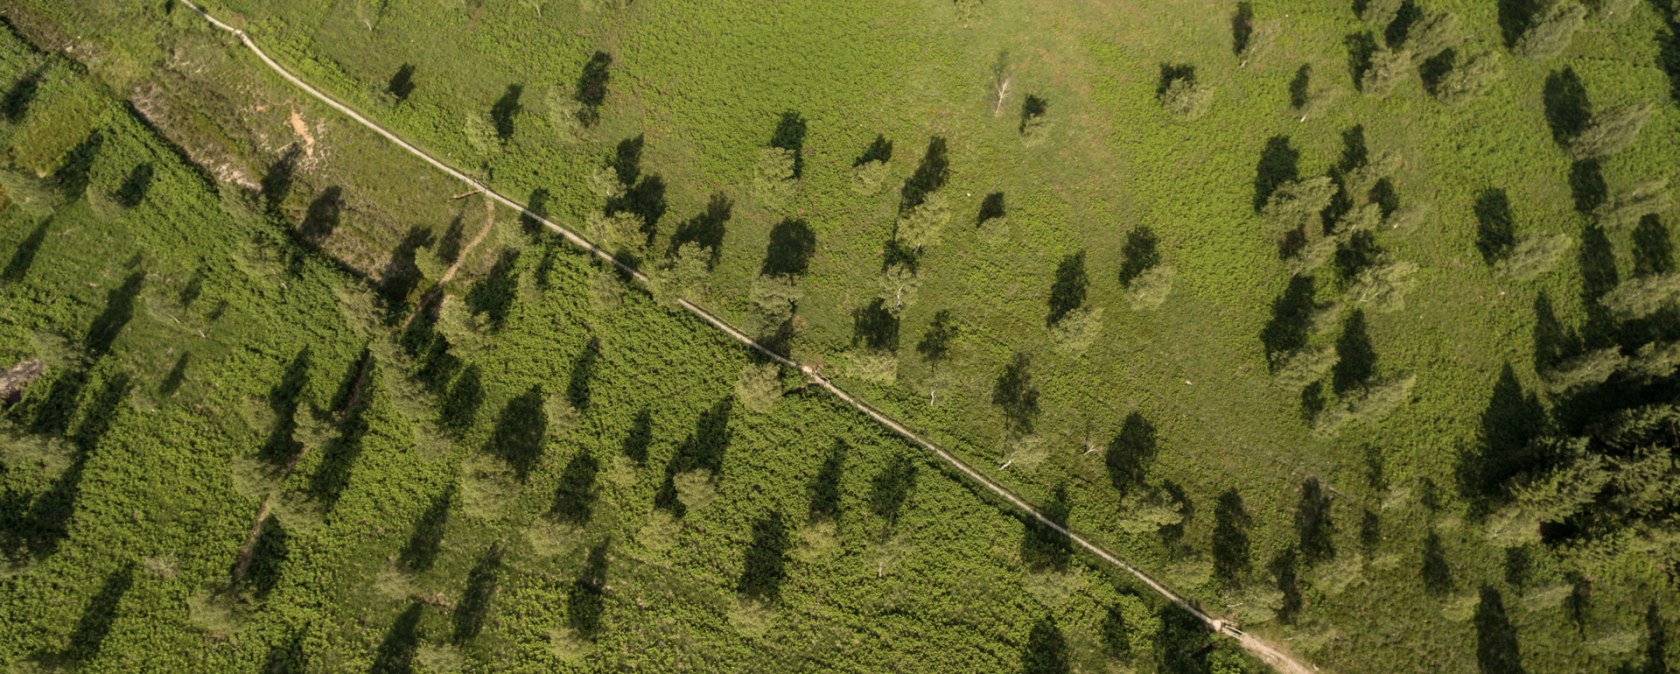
[124,519]
[706,85]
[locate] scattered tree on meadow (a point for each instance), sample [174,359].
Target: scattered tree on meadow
[1435,34]
[1551,29]
[898,285]
[759,386]
[1470,79]
[923,225]
[1533,255]
[1640,297]
[1296,205]
[1180,95]
[1379,12]
[1385,70]
[1633,204]
[775,297]
[1609,132]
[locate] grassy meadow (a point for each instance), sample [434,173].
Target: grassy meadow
[1105,314]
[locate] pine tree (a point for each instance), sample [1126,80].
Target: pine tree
[1386,69]
[1630,205]
[1472,78]
[1552,29]
[1435,34]
[1296,205]
[1641,297]
[1609,132]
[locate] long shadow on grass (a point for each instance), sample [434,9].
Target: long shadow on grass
[119,309]
[702,450]
[401,84]
[1242,28]
[1313,526]
[825,503]
[426,541]
[339,456]
[1180,642]
[268,558]
[1279,163]
[890,489]
[38,529]
[277,182]
[323,216]
[1284,568]
[583,372]
[1552,341]
[1653,248]
[287,656]
[584,601]
[1231,556]
[521,432]
[177,375]
[875,327]
[73,176]
[1141,253]
[400,275]
[1068,291]
[505,111]
[1292,314]
[706,229]
[23,257]
[1515,17]
[1495,225]
[591,90]
[1496,638]
[98,616]
[789,252]
[880,150]
[574,499]
[15,104]
[1130,453]
[1046,650]
[135,187]
[401,643]
[930,175]
[1043,548]
[765,567]
[790,136]
[474,607]
[1016,395]
[640,437]
[1503,449]
[1436,573]
[1360,47]
[1586,184]
[1356,359]
[1567,108]
[495,295]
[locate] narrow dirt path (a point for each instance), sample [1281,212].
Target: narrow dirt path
[1254,645]
[489,222]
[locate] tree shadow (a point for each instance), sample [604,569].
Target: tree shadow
[15,104]
[401,83]
[1043,547]
[706,229]
[119,309]
[1292,314]
[135,187]
[626,160]
[1231,520]
[1598,264]
[825,503]
[23,257]
[278,180]
[1552,342]
[1033,109]
[1437,574]
[1568,111]
[574,499]
[474,607]
[1142,252]
[401,643]
[323,216]
[1016,395]
[1668,53]
[703,449]
[268,558]
[1503,449]
[640,437]
[890,488]
[288,656]
[583,371]
[1519,567]
[991,208]
[101,411]
[1242,28]
[177,375]
[426,541]
[1173,72]
[1181,642]
[789,252]
[1068,292]
[494,296]
[339,456]
[1656,642]
[463,401]
[1586,183]
[591,90]
[1496,229]
[1116,634]
[1653,249]
[645,199]
[73,176]
[1496,639]
[1514,18]
[1370,531]
[505,110]
[1356,360]
[536,210]
[1313,526]
[1046,650]
[586,600]
[880,150]
[765,567]
[98,616]
[790,136]
[401,275]
[521,433]
[1130,453]
[930,175]
[1172,535]
[936,342]
[1300,86]
[1360,47]
[875,327]
[448,247]
[1395,34]
[285,399]
[1284,570]
[1434,70]
[1279,163]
